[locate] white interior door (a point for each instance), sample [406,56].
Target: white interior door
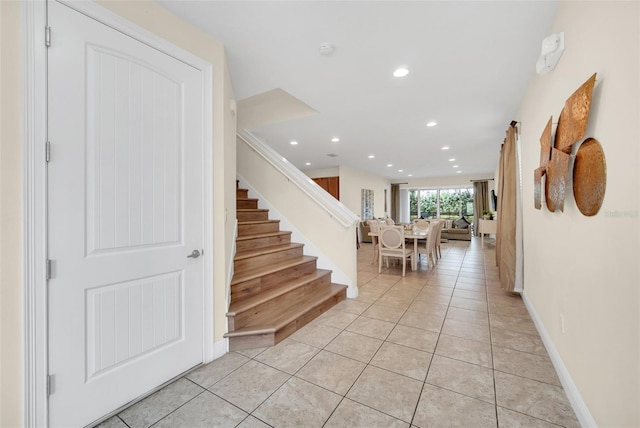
[125,199]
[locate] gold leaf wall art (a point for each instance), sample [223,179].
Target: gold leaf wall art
[589,177]
[545,144]
[545,156]
[556,183]
[572,123]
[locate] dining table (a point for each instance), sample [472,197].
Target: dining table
[416,235]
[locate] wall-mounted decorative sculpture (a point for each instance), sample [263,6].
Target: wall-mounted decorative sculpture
[545,157]
[545,144]
[557,177]
[572,123]
[589,175]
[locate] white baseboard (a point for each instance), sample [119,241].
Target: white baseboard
[220,348]
[230,269]
[352,292]
[575,399]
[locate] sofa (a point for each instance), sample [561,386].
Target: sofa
[364,228]
[364,232]
[453,229]
[459,230]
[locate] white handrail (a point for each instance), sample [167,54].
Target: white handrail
[335,208]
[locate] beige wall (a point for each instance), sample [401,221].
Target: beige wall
[155,19]
[10,216]
[587,268]
[352,181]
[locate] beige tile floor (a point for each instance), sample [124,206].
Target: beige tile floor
[443,347]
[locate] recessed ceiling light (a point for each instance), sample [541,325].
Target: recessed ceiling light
[372,156]
[446,148]
[294,143]
[401,72]
[335,139]
[389,165]
[400,170]
[308,163]
[410,175]
[432,123]
[452,160]
[458,172]
[456,166]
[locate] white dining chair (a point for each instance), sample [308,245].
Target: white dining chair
[438,239]
[421,224]
[392,245]
[429,249]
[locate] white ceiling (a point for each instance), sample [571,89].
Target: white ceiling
[470,63]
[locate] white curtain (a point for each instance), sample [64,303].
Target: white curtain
[519,277]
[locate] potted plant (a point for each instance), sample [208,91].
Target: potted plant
[487,215]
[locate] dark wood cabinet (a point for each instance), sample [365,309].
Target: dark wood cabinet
[330,184]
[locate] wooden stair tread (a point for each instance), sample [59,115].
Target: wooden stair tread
[236,307]
[266,270]
[252,210]
[284,318]
[263,235]
[245,254]
[257,222]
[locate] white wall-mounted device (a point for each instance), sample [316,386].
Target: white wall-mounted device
[552,48]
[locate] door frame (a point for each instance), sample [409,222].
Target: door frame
[34,191]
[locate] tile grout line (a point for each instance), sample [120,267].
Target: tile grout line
[378,350]
[366,364]
[424,383]
[371,359]
[493,362]
[495,383]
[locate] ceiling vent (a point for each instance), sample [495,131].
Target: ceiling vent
[326,48]
[332,155]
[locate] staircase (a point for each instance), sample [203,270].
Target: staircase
[275,289]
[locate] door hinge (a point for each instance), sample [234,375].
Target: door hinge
[47,151]
[48,269]
[51,386]
[47,36]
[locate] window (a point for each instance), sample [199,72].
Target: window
[441,203]
[423,203]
